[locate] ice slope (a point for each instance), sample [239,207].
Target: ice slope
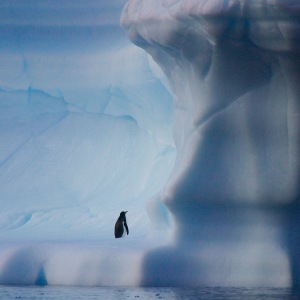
[85,122]
[85,132]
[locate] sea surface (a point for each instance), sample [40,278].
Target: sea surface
[107,293]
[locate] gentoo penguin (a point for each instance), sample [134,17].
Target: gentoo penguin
[119,227]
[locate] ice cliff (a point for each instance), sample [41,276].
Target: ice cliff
[234,70]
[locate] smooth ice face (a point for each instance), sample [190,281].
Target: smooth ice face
[234,69]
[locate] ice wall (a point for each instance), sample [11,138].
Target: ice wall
[233,67]
[82,128]
[85,132]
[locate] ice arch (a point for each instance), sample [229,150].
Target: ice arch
[234,69]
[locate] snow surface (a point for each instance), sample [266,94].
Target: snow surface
[203,154]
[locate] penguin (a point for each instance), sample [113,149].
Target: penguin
[119,227]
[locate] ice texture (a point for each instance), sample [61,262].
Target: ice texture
[233,68]
[234,71]
[88,124]
[85,133]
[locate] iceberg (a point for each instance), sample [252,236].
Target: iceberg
[196,135]
[233,68]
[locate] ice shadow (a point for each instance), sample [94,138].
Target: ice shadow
[229,246]
[24,267]
[293,246]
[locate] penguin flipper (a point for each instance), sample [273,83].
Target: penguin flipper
[126,227]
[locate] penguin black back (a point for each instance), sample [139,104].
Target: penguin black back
[120,224]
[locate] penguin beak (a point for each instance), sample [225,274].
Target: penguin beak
[126,212]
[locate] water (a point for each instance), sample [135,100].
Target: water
[107,293]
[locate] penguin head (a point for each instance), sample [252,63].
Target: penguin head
[122,214]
